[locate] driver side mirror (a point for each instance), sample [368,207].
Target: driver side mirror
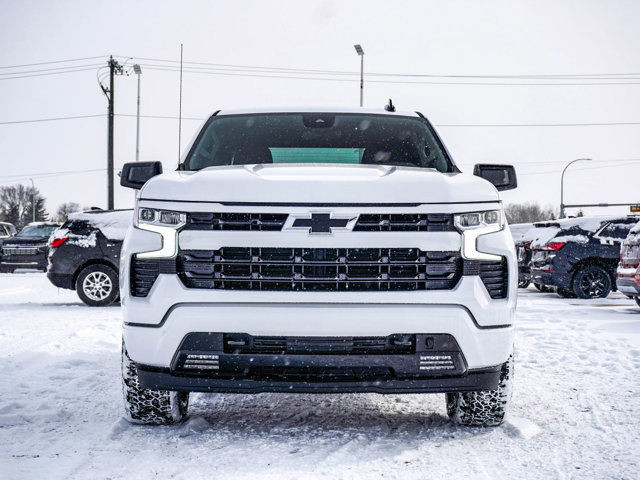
[503,177]
[136,174]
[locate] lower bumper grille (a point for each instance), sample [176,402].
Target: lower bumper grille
[319,269]
[318,359]
[248,344]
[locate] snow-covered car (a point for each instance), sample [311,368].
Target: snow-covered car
[28,249]
[629,267]
[519,233]
[84,254]
[318,251]
[578,256]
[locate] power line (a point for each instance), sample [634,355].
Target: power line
[342,72]
[500,125]
[52,119]
[54,61]
[49,73]
[51,69]
[465,125]
[238,73]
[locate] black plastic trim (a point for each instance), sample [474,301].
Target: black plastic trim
[162,379]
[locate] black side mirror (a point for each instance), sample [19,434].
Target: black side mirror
[136,174]
[503,177]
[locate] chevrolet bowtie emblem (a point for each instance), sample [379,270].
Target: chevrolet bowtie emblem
[321,223]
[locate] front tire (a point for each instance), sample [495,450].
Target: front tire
[524,283]
[97,285]
[592,281]
[149,407]
[483,408]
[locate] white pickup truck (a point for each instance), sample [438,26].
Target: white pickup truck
[314,250]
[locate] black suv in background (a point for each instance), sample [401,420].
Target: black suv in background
[578,256]
[85,254]
[28,249]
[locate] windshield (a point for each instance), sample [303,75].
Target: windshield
[37,231]
[318,138]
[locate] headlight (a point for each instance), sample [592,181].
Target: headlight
[473,225]
[489,218]
[167,218]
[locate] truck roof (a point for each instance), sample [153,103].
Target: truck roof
[308,109]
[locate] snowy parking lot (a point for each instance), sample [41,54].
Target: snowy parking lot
[575,410]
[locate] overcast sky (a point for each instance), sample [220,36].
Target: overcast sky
[425,37]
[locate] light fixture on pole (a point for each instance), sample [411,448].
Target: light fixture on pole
[360,52]
[138,71]
[562,182]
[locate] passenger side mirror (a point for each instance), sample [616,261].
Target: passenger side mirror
[503,177]
[136,174]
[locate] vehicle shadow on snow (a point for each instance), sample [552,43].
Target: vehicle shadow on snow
[287,414]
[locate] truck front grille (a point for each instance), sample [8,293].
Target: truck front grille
[20,250]
[272,222]
[319,269]
[419,222]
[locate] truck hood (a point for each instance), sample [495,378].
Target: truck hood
[318,183]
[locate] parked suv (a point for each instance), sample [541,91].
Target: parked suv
[28,249]
[578,256]
[629,266]
[85,254]
[318,251]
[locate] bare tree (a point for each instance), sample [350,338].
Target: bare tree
[65,209]
[528,212]
[17,204]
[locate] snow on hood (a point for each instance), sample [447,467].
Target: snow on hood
[519,231]
[319,183]
[112,224]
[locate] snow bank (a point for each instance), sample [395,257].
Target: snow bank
[112,224]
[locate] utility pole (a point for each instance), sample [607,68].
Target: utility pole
[360,52]
[138,72]
[114,69]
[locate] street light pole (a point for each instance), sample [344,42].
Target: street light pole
[360,52]
[138,71]
[33,201]
[562,182]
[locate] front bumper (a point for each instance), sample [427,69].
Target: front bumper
[241,363]
[628,286]
[163,379]
[36,261]
[155,325]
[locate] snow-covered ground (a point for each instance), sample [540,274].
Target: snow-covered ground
[575,410]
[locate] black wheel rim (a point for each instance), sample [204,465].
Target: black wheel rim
[593,283]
